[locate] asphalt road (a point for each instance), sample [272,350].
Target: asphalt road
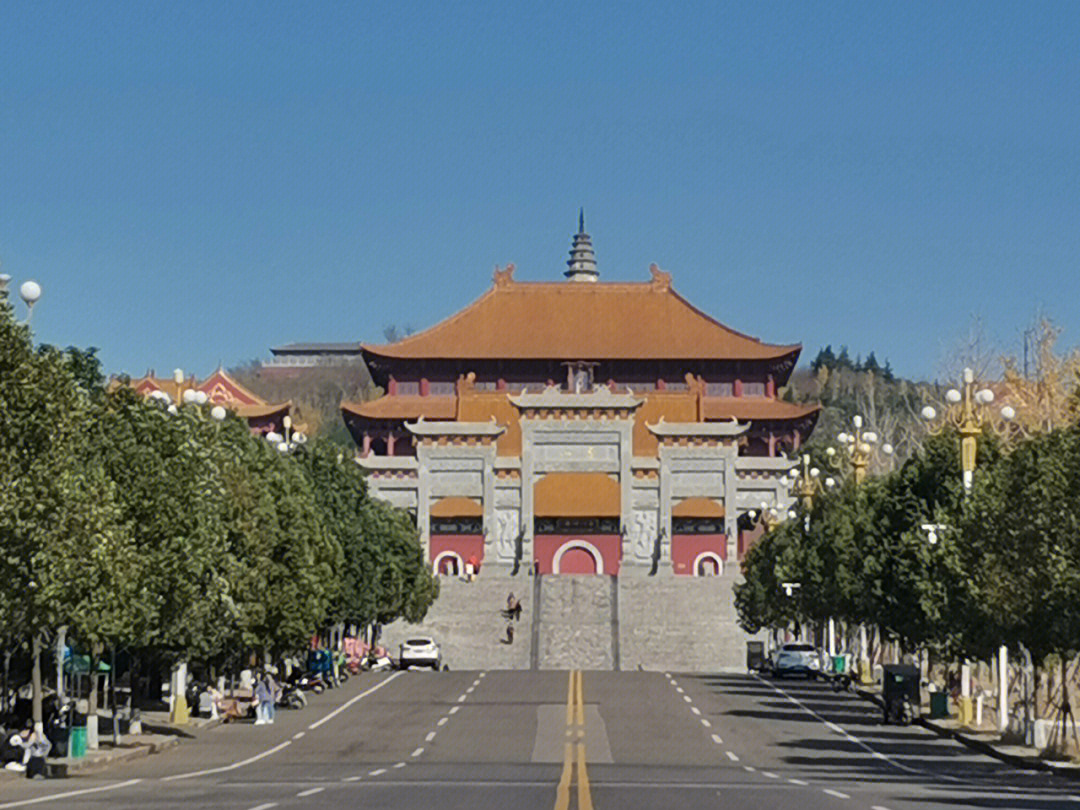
[516,740]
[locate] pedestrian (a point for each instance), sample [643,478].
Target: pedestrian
[262,702]
[510,604]
[509,633]
[274,689]
[36,747]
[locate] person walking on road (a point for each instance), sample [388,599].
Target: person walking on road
[263,699]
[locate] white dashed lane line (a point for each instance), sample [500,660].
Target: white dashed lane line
[687,698]
[377,772]
[309,792]
[769,775]
[298,735]
[442,722]
[695,710]
[706,723]
[835,793]
[399,764]
[454,709]
[749,768]
[799,782]
[266,806]
[732,756]
[716,739]
[418,751]
[352,779]
[430,736]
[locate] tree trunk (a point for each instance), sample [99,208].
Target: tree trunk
[115,708]
[91,712]
[7,674]
[35,683]
[61,645]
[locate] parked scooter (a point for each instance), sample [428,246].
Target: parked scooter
[292,697]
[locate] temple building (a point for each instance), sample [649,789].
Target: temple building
[581,426]
[221,389]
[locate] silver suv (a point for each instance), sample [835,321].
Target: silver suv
[796,659]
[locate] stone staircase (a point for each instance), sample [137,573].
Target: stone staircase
[577,622]
[467,622]
[682,624]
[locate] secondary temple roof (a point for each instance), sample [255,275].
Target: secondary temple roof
[600,321]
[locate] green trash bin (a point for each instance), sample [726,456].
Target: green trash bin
[939,705]
[77,742]
[839,664]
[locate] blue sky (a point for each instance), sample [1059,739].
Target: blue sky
[195,182]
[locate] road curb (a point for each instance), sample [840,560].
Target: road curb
[1028,763]
[67,767]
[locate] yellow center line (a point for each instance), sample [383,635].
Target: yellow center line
[575,727]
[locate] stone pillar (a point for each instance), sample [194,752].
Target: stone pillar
[390,440]
[367,444]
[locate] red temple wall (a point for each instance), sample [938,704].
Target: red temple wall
[685,548]
[465,545]
[546,546]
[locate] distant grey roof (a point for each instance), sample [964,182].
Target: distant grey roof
[309,348]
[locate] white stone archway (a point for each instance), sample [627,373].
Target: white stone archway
[583,545]
[708,555]
[436,564]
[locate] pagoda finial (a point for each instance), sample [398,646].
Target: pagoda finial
[582,263]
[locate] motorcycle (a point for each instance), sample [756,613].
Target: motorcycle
[292,697]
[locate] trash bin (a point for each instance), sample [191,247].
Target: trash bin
[77,742]
[939,705]
[900,684]
[755,655]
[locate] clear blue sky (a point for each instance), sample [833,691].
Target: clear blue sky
[195,182]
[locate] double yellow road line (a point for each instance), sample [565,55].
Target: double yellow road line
[575,744]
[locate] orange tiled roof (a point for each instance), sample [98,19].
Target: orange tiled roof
[220,389]
[750,408]
[540,320]
[409,406]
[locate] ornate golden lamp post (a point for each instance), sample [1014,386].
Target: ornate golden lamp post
[857,450]
[968,410]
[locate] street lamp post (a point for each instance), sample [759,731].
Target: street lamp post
[968,410]
[857,450]
[29,292]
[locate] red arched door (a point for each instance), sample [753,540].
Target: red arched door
[577,560]
[448,566]
[708,567]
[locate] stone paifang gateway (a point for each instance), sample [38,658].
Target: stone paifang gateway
[581,427]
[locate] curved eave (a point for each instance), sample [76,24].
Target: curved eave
[473,333]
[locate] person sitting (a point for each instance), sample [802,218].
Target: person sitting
[228,708]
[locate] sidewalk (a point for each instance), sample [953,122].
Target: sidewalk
[985,742]
[158,735]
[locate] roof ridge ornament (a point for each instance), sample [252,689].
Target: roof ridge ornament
[504,277]
[661,281]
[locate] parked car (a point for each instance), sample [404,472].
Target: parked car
[796,659]
[420,651]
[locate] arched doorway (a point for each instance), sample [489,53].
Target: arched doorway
[448,564]
[578,557]
[708,564]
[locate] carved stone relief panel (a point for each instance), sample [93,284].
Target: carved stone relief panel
[642,532]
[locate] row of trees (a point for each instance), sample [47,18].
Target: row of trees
[162,529]
[1004,567]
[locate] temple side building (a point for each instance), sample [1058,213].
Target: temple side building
[581,426]
[221,389]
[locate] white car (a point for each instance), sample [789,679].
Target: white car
[420,651]
[796,659]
